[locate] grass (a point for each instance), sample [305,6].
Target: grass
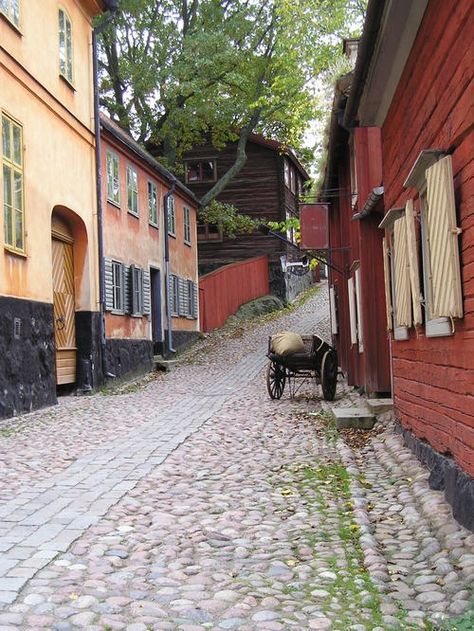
[8,431]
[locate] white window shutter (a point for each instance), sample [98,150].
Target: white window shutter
[443,241]
[358,292]
[182,297]
[402,277]
[413,262]
[352,310]
[388,293]
[146,293]
[109,289]
[195,300]
[332,301]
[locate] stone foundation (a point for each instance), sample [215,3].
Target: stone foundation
[128,357]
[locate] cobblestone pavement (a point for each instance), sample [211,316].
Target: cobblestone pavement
[198,503]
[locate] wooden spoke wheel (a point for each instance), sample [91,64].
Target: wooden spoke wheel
[329,375]
[276,379]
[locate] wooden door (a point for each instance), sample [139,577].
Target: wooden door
[64,311]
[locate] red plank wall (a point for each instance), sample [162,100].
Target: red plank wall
[223,291]
[433,108]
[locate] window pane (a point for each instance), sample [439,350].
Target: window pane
[7,205]
[4,6]
[19,230]
[18,188]
[69,49]
[7,186]
[207,170]
[6,144]
[16,11]
[16,144]
[192,171]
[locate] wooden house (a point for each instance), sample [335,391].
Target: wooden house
[269,186]
[414,82]
[148,265]
[49,293]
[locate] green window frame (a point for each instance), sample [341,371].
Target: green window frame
[187,225]
[113,178]
[132,191]
[13,195]
[11,10]
[65,46]
[171,216]
[152,203]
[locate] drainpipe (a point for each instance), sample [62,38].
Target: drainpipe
[112,6]
[167,265]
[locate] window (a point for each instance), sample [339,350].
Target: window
[292,180]
[65,46]
[11,10]
[355,307]
[152,204]
[209,232]
[187,225]
[117,286]
[174,294]
[190,298]
[113,178]
[171,216]
[287,173]
[13,203]
[136,277]
[200,170]
[132,191]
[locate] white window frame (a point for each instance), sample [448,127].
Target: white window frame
[171,216]
[332,302]
[358,295]
[352,310]
[13,171]
[118,289]
[113,179]
[11,10]
[174,295]
[66,51]
[353,173]
[136,290]
[152,203]
[400,333]
[434,327]
[187,225]
[132,188]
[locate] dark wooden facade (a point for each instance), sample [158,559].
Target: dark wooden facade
[259,190]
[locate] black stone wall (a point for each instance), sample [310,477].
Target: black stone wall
[181,339]
[126,356]
[27,369]
[88,349]
[446,476]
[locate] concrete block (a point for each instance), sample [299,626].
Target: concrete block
[357,418]
[163,364]
[379,406]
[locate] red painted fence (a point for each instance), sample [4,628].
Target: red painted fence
[223,291]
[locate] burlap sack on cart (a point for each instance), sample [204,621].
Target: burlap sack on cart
[287,343]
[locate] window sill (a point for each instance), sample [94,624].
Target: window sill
[67,82]
[11,24]
[188,243]
[130,212]
[153,225]
[20,253]
[136,315]
[117,312]
[400,334]
[172,234]
[438,327]
[114,203]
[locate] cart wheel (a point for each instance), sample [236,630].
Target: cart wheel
[276,379]
[329,375]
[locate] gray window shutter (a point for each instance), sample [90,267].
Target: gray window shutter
[146,292]
[126,289]
[109,290]
[182,297]
[171,292]
[134,300]
[196,300]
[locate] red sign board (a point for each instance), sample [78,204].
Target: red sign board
[314,227]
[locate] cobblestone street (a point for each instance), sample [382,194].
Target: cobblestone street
[195,502]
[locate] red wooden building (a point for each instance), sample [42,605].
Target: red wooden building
[413,85]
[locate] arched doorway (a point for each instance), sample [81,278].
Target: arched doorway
[64,300]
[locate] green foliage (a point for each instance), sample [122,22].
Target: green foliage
[228,219]
[463,623]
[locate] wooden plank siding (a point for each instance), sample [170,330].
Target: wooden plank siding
[433,108]
[258,190]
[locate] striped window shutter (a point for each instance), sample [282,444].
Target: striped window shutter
[182,287]
[388,294]
[443,241]
[413,262]
[195,300]
[402,277]
[146,293]
[109,290]
[352,310]
[126,289]
[133,280]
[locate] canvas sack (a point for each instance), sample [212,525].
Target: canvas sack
[287,343]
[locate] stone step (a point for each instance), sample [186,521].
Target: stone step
[357,418]
[379,406]
[160,363]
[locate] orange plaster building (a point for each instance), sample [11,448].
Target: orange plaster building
[150,274]
[49,281]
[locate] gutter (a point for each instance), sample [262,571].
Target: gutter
[166,197]
[375,195]
[112,6]
[375,10]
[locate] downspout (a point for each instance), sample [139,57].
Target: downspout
[167,265]
[112,6]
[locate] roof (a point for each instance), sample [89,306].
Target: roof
[275,145]
[119,134]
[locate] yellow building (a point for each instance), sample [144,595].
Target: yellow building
[49,288]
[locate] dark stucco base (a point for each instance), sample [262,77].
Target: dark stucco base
[180,339]
[89,355]
[276,279]
[128,357]
[27,372]
[447,476]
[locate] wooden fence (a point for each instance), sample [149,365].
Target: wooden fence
[223,291]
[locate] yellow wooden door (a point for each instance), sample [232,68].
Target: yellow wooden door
[64,312]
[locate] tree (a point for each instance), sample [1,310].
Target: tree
[174,71]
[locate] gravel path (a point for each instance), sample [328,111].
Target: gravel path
[222,509]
